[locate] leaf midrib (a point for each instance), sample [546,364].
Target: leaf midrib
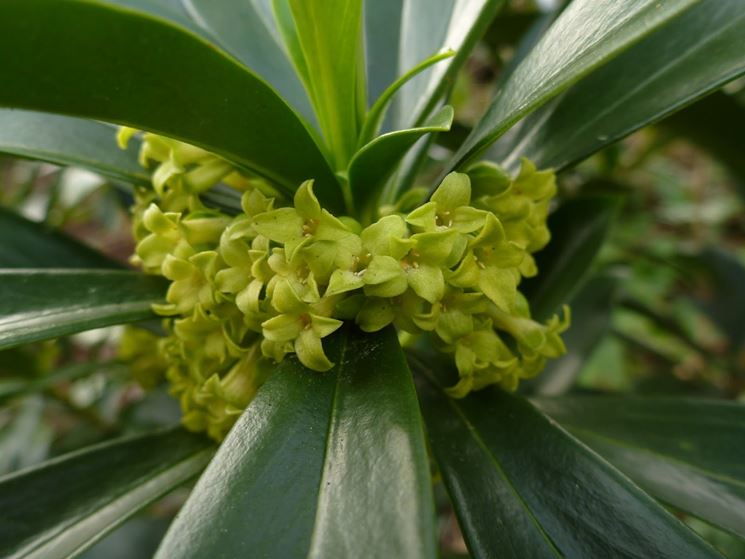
[493,460]
[485,449]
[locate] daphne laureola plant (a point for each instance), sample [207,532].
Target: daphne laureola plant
[276,279]
[346,298]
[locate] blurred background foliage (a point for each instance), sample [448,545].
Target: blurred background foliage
[662,313]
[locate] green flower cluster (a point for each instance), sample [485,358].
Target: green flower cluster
[248,290]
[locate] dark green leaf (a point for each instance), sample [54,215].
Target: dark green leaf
[59,508]
[578,229]
[376,161]
[103,62]
[330,35]
[69,141]
[247,29]
[320,465]
[524,488]
[687,452]
[429,27]
[32,245]
[692,56]
[38,304]
[587,35]
[591,317]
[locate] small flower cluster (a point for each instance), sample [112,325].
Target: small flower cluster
[247,290]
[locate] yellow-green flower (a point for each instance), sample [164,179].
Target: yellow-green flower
[191,283]
[248,290]
[301,324]
[491,265]
[482,358]
[450,207]
[305,222]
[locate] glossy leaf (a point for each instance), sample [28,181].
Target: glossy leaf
[39,304]
[591,318]
[319,465]
[246,28]
[578,229]
[376,161]
[100,61]
[587,35]
[34,245]
[69,141]
[429,27]
[330,37]
[686,452]
[60,507]
[524,488]
[692,56]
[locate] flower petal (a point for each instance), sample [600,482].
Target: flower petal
[427,282]
[454,191]
[282,328]
[309,350]
[281,225]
